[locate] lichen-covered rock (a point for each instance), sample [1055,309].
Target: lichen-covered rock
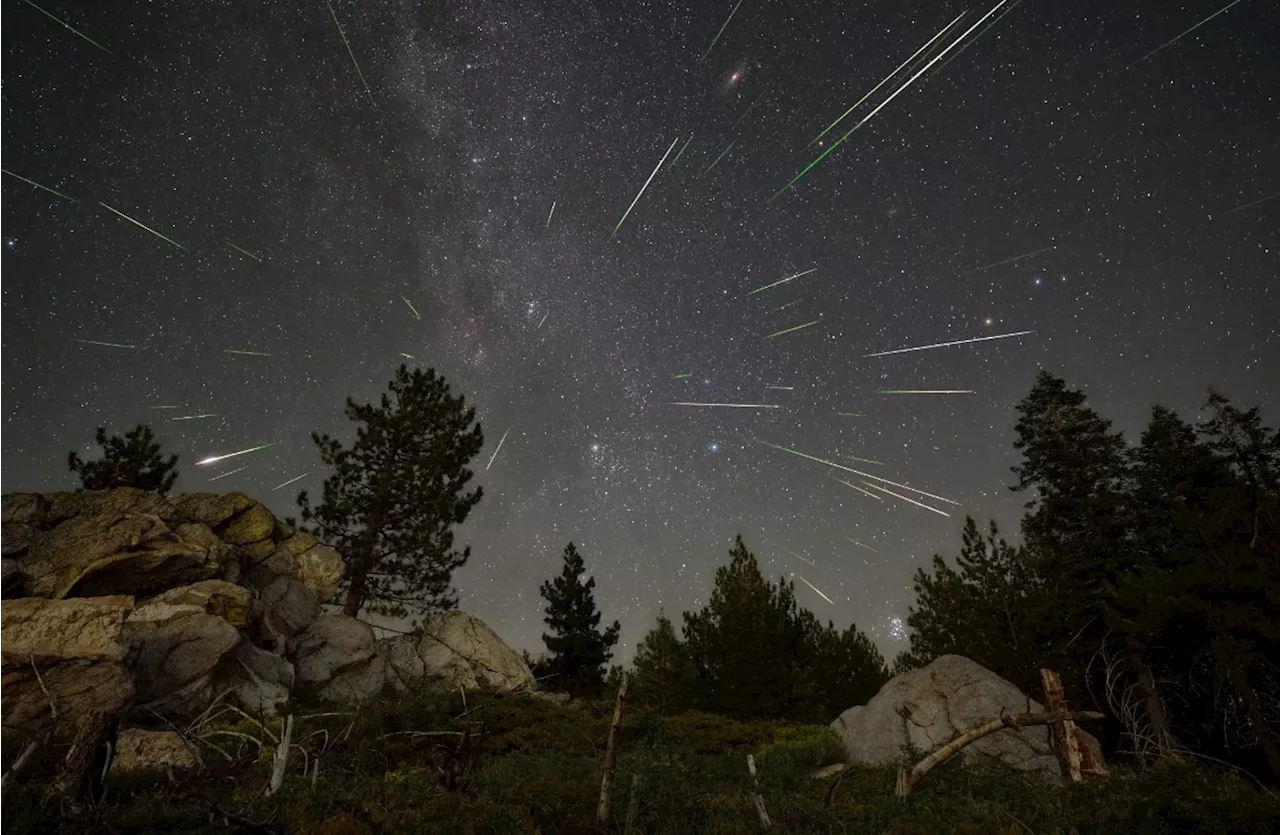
[260,681]
[108,553]
[173,652]
[928,707]
[139,751]
[287,607]
[296,543]
[77,647]
[16,538]
[23,509]
[117,502]
[253,524]
[226,600]
[337,659]
[210,509]
[458,650]
[320,569]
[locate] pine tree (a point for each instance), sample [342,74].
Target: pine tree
[984,609]
[848,670]
[396,493]
[131,461]
[664,675]
[579,653]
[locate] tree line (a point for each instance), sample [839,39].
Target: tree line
[1147,573]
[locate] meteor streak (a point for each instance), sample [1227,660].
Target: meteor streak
[544,318]
[860,545]
[246,353]
[408,356]
[37,185]
[213,459]
[782,388]
[1180,37]
[926,391]
[496,451]
[850,414]
[681,151]
[416,314]
[144,226]
[856,487]
[785,306]
[245,252]
[552,212]
[974,40]
[646,184]
[796,328]
[164,407]
[783,281]
[890,98]
[291,481]
[347,44]
[716,161]
[730,405]
[866,461]
[803,559]
[948,344]
[816,589]
[229,472]
[928,44]
[106,344]
[855,472]
[683,376]
[905,499]
[1014,258]
[70,28]
[1250,204]
[722,28]
[201,416]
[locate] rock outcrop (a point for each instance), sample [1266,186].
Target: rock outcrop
[928,707]
[458,650]
[337,659]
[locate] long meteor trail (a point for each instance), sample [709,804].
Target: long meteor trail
[70,28]
[106,344]
[816,589]
[926,391]
[796,328]
[201,416]
[257,258]
[1183,35]
[855,472]
[499,449]
[724,26]
[1014,258]
[783,281]
[907,499]
[416,314]
[802,559]
[729,405]
[228,472]
[290,481]
[890,98]
[144,226]
[1251,204]
[856,487]
[37,185]
[645,186]
[213,459]
[246,353]
[898,69]
[347,44]
[860,545]
[948,344]
[716,161]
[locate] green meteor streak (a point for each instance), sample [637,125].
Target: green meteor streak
[796,328]
[37,185]
[1183,35]
[411,307]
[106,344]
[408,356]
[544,319]
[856,487]
[898,69]
[144,226]
[213,459]
[716,161]
[906,499]
[347,44]
[866,460]
[244,252]
[855,472]
[70,28]
[645,186]
[164,407]
[890,98]
[975,39]
[681,151]
[721,32]
[229,472]
[783,281]
[684,376]
[246,353]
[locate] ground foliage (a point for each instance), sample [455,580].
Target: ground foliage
[531,766]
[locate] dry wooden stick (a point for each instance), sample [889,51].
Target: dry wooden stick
[281,759]
[1062,735]
[611,754]
[908,780]
[759,800]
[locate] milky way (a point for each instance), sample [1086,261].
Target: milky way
[308,235]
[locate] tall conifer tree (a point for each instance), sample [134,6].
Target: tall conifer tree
[579,653]
[131,461]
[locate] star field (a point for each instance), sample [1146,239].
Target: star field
[244,132]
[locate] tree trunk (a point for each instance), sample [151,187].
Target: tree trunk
[1256,718]
[611,754]
[355,596]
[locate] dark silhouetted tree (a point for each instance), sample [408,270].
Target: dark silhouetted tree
[579,652]
[664,676]
[131,461]
[396,493]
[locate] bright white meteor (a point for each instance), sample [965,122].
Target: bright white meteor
[783,281]
[948,344]
[213,459]
[643,187]
[855,472]
[291,481]
[502,441]
[816,589]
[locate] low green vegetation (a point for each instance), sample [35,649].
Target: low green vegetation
[517,764]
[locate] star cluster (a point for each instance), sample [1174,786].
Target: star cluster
[478,179]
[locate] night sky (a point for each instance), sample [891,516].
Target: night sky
[247,124]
